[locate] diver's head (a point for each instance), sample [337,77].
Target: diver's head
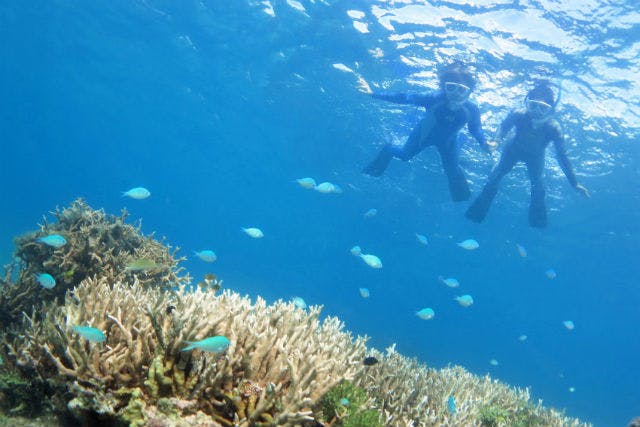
[540,101]
[456,81]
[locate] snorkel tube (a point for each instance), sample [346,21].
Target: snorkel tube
[559,95]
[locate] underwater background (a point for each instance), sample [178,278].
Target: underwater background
[217,107]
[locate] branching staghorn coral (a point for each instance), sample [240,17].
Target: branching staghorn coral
[280,362]
[410,394]
[97,243]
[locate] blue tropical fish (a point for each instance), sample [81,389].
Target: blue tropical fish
[206,255]
[55,240]
[215,344]
[469,244]
[307,183]
[422,239]
[46,280]
[426,314]
[451,405]
[299,302]
[89,333]
[137,193]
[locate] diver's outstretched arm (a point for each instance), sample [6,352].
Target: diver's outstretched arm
[565,164]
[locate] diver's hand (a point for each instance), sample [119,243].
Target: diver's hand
[363,86]
[583,190]
[490,146]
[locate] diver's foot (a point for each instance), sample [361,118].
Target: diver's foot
[538,222]
[372,171]
[461,196]
[538,217]
[474,215]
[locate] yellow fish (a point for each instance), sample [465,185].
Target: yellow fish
[142,264]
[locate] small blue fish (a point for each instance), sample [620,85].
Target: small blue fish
[426,314]
[469,244]
[299,302]
[451,405]
[254,232]
[371,213]
[137,193]
[344,401]
[371,260]
[569,324]
[364,292]
[89,333]
[328,188]
[308,183]
[522,251]
[422,239]
[206,255]
[464,300]
[550,273]
[215,344]
[449,281]
[55,240]
[46,280]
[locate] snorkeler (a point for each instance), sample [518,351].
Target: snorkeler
[534,130]
[448,110]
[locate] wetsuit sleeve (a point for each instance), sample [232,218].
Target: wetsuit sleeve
[420,99]
[507,124]
[561,155]
[475,125]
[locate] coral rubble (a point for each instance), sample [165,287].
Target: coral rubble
[284,365]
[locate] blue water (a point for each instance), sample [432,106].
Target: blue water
[217,107]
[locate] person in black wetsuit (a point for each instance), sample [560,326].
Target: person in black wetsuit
[534,130]
[448,110]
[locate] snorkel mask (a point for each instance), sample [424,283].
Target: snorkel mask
[456,82]
[538,110]
[456,93]
[541,102]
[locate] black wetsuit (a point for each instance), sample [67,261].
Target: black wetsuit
[439,127]
[528,146]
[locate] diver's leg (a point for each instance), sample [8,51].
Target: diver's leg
[404,152]
[537,207]
[380,163]
[458,184]
[477,211]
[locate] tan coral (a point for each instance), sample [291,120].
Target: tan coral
[97,243]
[289,358]
[410,394]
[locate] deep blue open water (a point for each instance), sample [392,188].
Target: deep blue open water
[217,107]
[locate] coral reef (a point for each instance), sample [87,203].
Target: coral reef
[284,366]
[96,244]
[281,360]
[410,394]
